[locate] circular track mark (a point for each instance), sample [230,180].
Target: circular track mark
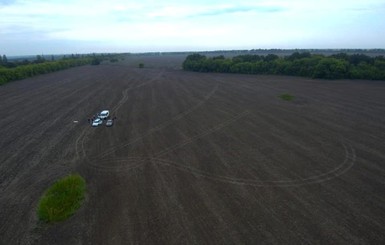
[116,164]
[349,160]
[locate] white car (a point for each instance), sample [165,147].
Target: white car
[109,123]
[97,122]
[104,114]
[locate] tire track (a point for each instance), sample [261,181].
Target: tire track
[80,141]
[205,133]
[36,134]
[130,163]
[162,125]
[116,165]
[346,165]
[121,102]
[125,92]
[140,161]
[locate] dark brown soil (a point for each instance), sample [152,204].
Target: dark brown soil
[195,158]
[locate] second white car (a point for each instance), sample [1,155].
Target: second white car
[97,122]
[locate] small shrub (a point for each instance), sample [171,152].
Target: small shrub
[62,199]
[95,62]
[287,97]
[141,65]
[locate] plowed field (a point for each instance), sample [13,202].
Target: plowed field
[195,158]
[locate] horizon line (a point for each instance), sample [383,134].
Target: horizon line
[205,51]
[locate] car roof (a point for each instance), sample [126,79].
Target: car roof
[104,112]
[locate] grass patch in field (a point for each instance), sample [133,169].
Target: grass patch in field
[287,97]
[62,199]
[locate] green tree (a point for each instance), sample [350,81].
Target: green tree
[219,57]
[331,68]
[95,61]
[355,59]
[39,59]
[11,72]
[195,57]
[298,64]
[341,56]
[298,55]
[247,58]
[380,64]
[271,57]
[194,62]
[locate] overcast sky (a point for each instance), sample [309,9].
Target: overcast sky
[85,26]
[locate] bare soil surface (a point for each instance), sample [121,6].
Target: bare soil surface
[194,158]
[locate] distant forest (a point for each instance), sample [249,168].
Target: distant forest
[336,66]
[20,69]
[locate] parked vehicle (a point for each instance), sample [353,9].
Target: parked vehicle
[109,123]
[104,114]
[97,122]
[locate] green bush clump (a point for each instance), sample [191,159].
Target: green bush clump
[62,199]
[287,97]
[95,61]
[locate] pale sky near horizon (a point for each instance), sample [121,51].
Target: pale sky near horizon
[29,27]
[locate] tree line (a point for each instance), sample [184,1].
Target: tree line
[337,66]
[15,70]
[28,70]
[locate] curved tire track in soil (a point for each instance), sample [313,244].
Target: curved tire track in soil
[124,166]
[346,165]
[162,125]
[105,165]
